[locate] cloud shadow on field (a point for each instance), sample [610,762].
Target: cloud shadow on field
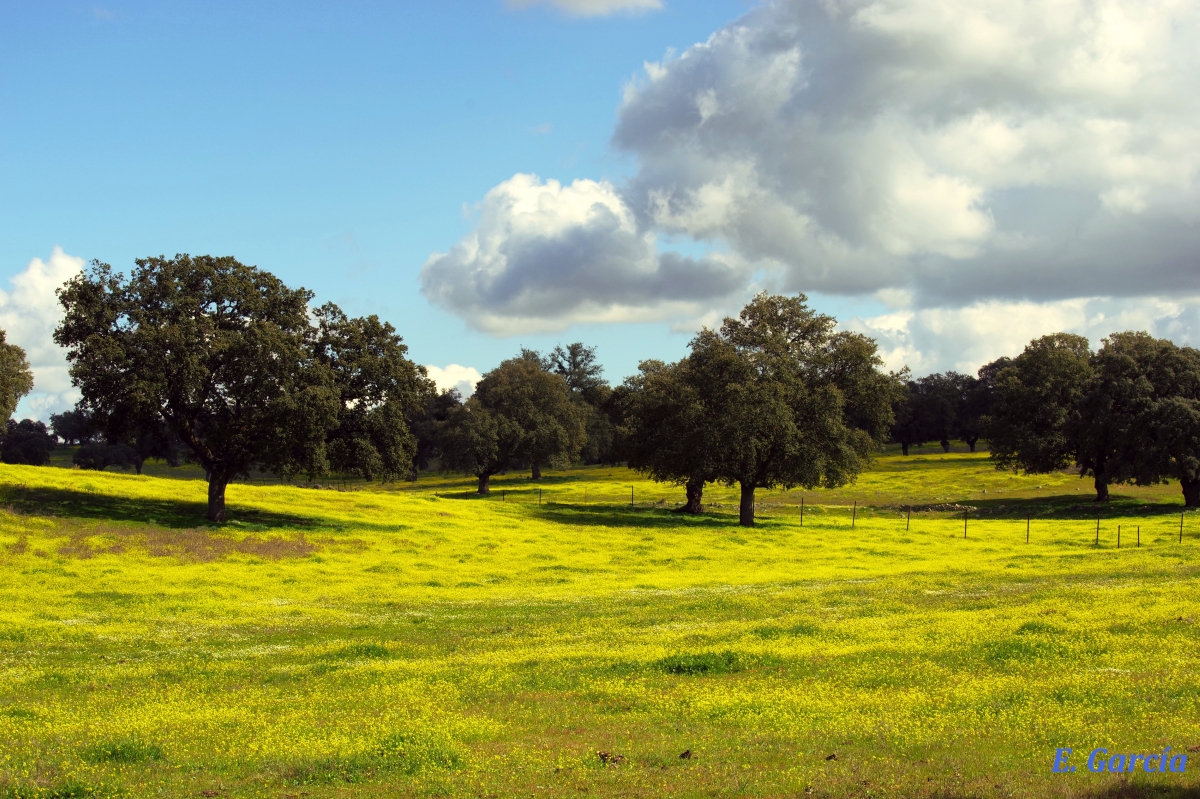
[172,514]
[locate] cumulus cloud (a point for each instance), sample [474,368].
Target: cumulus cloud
[592,8]
[544,255]
[967,150]
[29,312]
[963,339]
[1019,157]
[462,378]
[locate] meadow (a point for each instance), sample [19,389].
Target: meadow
[415,640]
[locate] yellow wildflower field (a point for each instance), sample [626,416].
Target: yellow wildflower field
[414,641]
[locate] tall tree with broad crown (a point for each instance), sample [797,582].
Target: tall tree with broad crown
[219,351]
[796,404]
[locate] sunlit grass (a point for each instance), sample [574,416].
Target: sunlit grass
[382,643]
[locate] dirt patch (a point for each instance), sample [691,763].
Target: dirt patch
[196,545]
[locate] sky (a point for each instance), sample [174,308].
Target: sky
[953,179]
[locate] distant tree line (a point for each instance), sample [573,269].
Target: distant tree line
[207,360]
[1126,413]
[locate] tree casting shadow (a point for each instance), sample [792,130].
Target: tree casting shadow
[173,514]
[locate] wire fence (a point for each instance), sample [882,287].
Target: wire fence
[1121,530]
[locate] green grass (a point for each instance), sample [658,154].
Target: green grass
[394,642]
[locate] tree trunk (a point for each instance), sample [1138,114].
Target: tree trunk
[945,445]
[137,464]
[216,496]
[1101,483]
[537,470]
[971,443]
[1191,493]
[904,447]
[485,484]
[695,493]
[746,509]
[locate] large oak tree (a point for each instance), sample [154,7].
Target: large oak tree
[794,403]
[221,352]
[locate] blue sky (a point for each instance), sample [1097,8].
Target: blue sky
[334,144]
[950,183]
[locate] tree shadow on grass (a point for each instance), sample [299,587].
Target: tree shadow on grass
[174,514]
[1060,506]
[641,517]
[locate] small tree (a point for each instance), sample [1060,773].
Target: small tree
[26,442]
[427,424]
[1035,418]
[476,441]
[219,351]
[16,378]
[668,430]
[577,364]
[538,403]
[74,426]
[379,390]
[909,427]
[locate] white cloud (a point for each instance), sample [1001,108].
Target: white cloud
[961,162]
[463,378]
[592,8]
[29,312]
[966,150]
[963,339]
[544,255]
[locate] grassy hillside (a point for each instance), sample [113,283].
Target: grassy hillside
[397,642]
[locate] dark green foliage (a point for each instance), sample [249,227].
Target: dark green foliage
[99,456]
[1035,420]
[26,442]
[1170,446]
[792,402]
[74,426]
[667,429]
[361,652]
[218,351]
[379,391]
[16,378]
[1129,413]
[941,407]
[702,663]
[123,751]
[427,424]
[520,414]
[577,365]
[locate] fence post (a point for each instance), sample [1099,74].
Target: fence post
[908,519]
[801,511]
[504,496]
[965,512]
[854,514]
[539,496]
